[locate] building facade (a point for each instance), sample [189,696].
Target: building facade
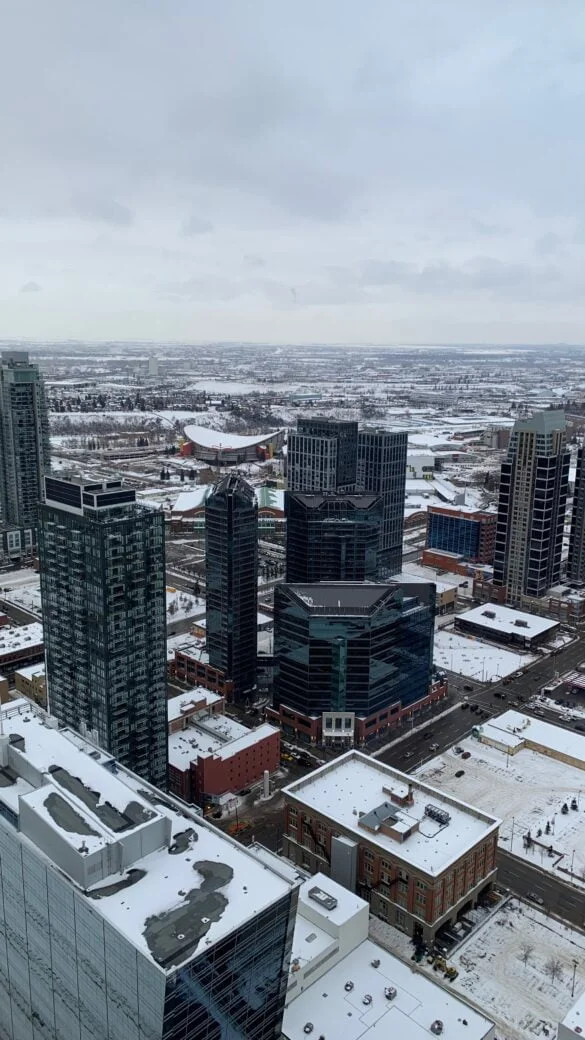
[332,537]
[419,857]
[531,510]
[576,560]
[467,533]
[352,650]
[381,470]
[322,455]
[102,570]
[231,568]
[24,441]
[123,915]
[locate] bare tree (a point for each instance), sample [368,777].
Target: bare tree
[526,950]
[553,968]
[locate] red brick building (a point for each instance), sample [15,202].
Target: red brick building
[420,857]
[318,729]
[465,532]
[191,666]
[212,755]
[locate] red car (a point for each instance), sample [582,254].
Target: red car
[466,754]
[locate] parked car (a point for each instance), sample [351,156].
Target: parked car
[409,754]
[434,747]
[458,750]
[460,772]
[428,736]
[464,706]
[580,728]
[466,754]
[534,898]
[468,687]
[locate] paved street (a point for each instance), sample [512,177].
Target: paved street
[521,878]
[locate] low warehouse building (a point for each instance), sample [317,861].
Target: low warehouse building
[504,625]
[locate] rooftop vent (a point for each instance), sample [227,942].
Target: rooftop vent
[308,1028]
[390,992]
[519,623]
[437,1027]
[489,614]
[435,813]
[348,986]
[375,963]
[367,999]
[322,898]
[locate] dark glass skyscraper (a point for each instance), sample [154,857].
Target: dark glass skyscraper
[381,470]
[352,647]
[576,561]
[322,455]
[332,537]
[531,511]
[24,440]
[102,569]
[231,562]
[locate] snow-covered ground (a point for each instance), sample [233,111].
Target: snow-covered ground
[483,662]
[181,605]
[28,597]
[505,969]
[526,790]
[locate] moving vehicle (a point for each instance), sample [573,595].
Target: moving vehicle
[434,747]
[534,898]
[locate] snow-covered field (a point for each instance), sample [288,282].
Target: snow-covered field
[526,790]
[483,662]
[505,969]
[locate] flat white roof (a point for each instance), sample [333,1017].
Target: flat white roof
[354,784]
[575,1018]
[218,440]
[513,726]
[178,707]
[21,638]
[162,883]
[31,671]
[504,619]
[334,1012]
[204,740]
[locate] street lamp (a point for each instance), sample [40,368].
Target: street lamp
[575,963]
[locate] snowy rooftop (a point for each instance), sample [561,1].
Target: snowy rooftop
[513,726]
[31,671]
[221,441]
[335,1012]
[474,659]
[505,620]
[22,638]
[190,887]
[355,784]
[179,706]
[575,1018]
[216,735]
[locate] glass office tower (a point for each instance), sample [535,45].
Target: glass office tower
[24,440]
[322,455]
[102,570]
[332,537]
[352,647]
[231,576]
[381,470]
[576,560]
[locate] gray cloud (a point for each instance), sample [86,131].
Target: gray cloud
[384,163]
[106,211]
[194,225]
[30,287]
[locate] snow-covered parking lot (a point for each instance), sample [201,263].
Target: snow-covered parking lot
[526,790]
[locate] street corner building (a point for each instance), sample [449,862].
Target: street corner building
[420,858]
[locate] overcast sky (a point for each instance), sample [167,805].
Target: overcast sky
[385,172]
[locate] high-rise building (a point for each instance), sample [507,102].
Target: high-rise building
[332,537]
[381,470]
[322,455]
[467,533]
[346,651]
[122,913]
[24,440]
[532,504]
[231,576]
[102,569]
[576,561]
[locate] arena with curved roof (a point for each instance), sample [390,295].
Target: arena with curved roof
[229,449]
